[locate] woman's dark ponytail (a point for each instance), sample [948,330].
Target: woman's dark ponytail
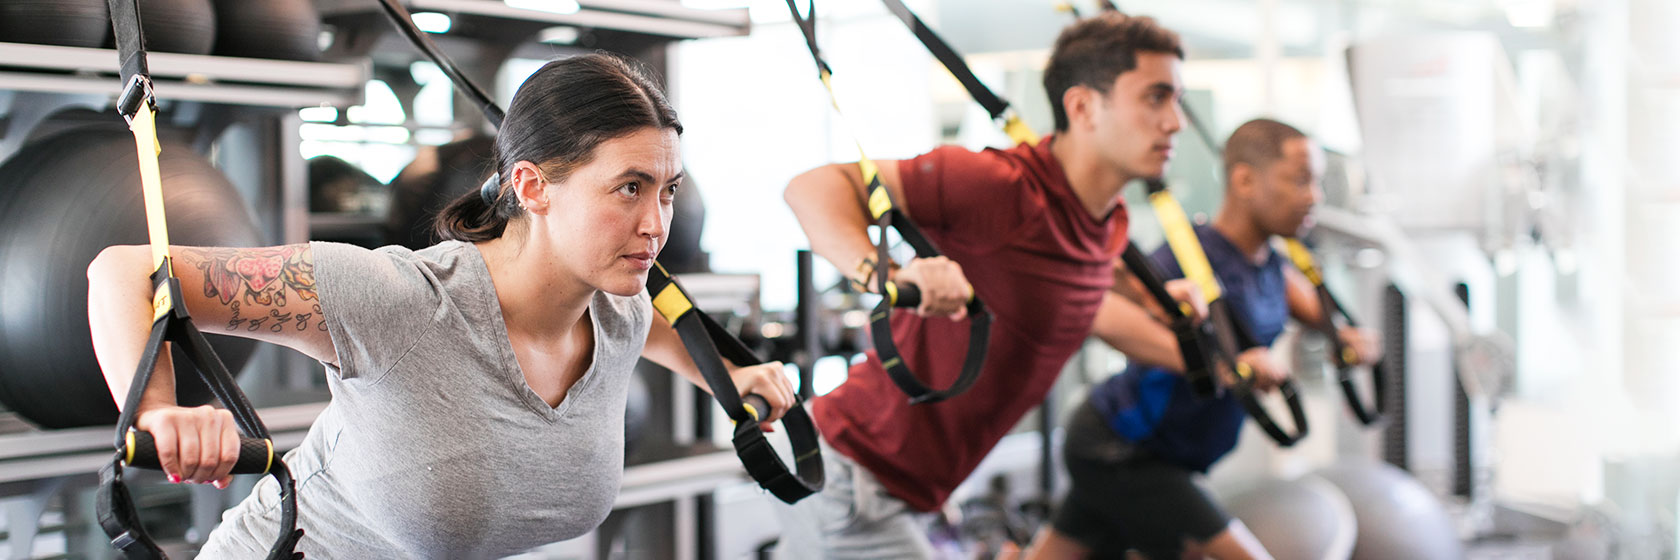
[473,218]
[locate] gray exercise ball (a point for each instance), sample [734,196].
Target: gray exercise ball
[63,199]
[1398,518]
[1302,519]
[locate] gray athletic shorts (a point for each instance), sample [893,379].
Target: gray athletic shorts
[853,517]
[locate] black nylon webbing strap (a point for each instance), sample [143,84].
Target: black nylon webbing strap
[1343,357]
[707,342]
[1018,131]
[1229,332]
[1195,341]
[1291,394]
[117,515]
[885,211]
[1239,331]
[952,61]
[880,328]
[808,28]
[996,106]
[131,54]
[418,38]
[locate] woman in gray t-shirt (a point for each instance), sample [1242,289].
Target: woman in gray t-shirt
[479,384]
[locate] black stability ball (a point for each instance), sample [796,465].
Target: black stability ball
[282,29]
[176,26]
[63,199]
[71,23]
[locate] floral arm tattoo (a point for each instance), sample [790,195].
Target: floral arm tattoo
[257,284]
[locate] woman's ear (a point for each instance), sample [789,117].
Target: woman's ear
[531,187]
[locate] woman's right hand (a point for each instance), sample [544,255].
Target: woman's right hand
[197,445]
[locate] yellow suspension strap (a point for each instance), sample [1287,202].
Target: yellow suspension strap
[1197,342]
[706,342]
[1343,356]
[886,214]
[172,324]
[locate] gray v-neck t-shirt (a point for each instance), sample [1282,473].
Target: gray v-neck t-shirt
[434,446]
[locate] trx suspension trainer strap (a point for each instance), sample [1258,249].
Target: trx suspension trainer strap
[1195,340]
[1343,356]
[1229,333]
[172,324]
[885,211]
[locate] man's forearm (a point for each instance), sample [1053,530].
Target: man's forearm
[1130,329]
[824,202]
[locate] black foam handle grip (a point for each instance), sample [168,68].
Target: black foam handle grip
[255,455]
[909,295]
[756,406]
[1198,366]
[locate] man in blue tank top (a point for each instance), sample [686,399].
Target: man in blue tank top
[1135,448]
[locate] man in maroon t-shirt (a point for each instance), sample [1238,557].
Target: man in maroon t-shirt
[1033,231]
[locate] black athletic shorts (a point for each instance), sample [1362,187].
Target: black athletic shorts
[1123,497]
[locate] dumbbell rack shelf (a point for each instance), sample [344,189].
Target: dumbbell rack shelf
[185,77]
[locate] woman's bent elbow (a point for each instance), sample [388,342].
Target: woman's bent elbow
[114,262]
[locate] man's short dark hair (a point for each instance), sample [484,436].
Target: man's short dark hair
[1258,143]
[1095,51]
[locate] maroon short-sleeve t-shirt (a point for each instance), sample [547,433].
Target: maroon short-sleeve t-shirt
[1039,261]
